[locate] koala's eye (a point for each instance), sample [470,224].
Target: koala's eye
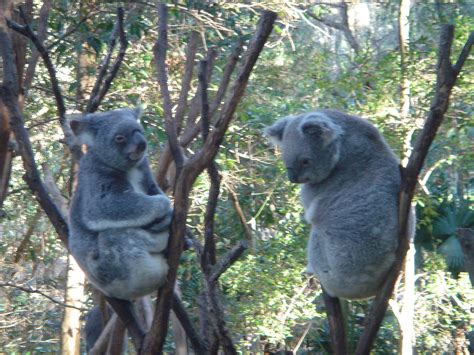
[305,162]
[119,138]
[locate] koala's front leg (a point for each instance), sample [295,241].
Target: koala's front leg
[126,209]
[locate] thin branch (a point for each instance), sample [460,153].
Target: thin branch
[240,214]
[264,28]
[99,91]
[26,238]
[188,75]
[336,324]
[464,54]
[100,344]
[72,29]
[446,78]
[42,32]
[32,175]
[30,290]
[124,309]
[26,31]
[197,343]
[204,99]
[228,260]
[159,51]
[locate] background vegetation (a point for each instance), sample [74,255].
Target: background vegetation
[310,62]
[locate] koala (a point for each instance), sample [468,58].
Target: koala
[350,186]
[119,217]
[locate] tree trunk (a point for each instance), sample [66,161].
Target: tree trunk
[408,309]
[71,325]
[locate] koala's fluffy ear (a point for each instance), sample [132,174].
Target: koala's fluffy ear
[322,127]
[138,112]
[82,129]
[275,131]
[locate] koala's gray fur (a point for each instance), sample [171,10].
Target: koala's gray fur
[119,217]
[351,182]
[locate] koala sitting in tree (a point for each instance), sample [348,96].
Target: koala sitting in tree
[350,185]
[119,217]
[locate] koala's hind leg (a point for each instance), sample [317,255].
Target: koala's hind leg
[128,264]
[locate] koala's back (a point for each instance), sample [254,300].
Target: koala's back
[354,213]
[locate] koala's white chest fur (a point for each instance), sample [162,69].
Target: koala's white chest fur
[135,178]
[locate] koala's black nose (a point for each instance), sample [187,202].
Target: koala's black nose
[292,175]
[141,147]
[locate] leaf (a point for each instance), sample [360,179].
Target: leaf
[452,252]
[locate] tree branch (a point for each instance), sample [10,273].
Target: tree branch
[99,91]
[188,75]
[197,343]
[446,78]
[32,176]
[228,260]
[159,51]
[30,290]
[209,151]
[26,31]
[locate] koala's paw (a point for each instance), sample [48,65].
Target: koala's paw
[161,204]
[160,224]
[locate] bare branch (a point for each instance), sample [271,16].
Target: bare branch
[240,214]
[124,309]
[100,344]
[197,343]
[256,44]
[28,32]
[99,91]
[42,32]
[228,260]
[72,29]
[159,50]
[446,78]
[32,175]
[42,293]
[188,75]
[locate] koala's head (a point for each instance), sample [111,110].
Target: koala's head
[114,137]
[310,145]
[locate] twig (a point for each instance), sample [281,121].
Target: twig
[99,91]
[42,32]
[72,29]
[264,28]
[228,260]
[32,176]
[197,343]
[26,31]
[188,75]
[159,50]
[100,344]
[240,214]
[30,290]
[124,310]
[446,78]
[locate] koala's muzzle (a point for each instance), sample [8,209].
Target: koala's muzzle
[137,146]
[292,175]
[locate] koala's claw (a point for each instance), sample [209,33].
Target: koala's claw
[160,224]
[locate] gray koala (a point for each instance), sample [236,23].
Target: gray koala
[351,182]
[119,217]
